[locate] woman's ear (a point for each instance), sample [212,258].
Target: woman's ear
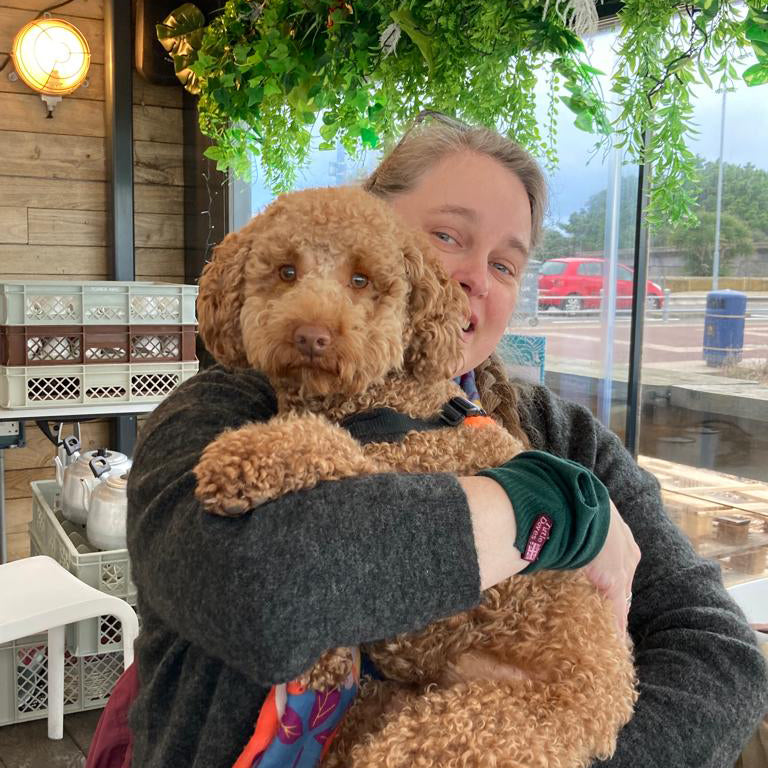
[437,310]
[220,300]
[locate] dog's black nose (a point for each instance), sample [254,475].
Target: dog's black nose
[312,340]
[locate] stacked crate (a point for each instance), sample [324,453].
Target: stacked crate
[93,657]
[105,342]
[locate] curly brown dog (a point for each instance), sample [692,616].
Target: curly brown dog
[345,310]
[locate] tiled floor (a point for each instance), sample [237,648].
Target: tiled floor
[27,745]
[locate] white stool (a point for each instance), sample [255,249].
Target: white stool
[38,595]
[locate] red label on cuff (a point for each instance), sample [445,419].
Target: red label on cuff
[540,531]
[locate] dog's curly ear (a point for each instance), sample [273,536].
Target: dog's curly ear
[437,310]
[220,300]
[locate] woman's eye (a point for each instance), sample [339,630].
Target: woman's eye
[504,269]
[444,237]
[287,273]
[359,280]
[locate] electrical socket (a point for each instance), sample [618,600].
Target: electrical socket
[11,434]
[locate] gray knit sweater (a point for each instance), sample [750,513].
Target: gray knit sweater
[230,606]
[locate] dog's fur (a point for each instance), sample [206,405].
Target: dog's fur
[536,675]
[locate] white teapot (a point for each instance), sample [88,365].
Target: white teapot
[79,475]
[107,504]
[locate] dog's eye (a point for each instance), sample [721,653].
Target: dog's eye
[358,280]
[287,273]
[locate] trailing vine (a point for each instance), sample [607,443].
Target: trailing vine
[663,52]
[268,71]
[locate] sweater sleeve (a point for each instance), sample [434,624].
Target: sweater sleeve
[703,682]
[267,593]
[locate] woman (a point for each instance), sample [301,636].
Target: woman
[231,606]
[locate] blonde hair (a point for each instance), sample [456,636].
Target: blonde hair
[426,143]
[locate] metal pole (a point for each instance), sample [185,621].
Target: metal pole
[642,248]
[608,294]
[118,114]
[718,204]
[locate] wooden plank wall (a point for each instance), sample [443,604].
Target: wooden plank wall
[53,203]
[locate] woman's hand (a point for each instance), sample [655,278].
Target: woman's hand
[614,567]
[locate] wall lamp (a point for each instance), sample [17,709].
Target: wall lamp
[52,57]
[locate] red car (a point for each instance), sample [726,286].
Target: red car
[572,284]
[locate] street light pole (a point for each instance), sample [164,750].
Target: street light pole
[716,259]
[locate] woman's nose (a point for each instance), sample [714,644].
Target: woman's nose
[472,274]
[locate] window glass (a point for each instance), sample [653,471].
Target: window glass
[552,268]
[704,395]
[704,428]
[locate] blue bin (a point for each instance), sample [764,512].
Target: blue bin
[724,327]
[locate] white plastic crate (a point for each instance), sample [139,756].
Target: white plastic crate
[32,387]
[88,680]
[108,570]
[61,302]
[90,636]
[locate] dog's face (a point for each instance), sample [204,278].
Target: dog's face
[327,292]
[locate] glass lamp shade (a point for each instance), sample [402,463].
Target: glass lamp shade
[51,56]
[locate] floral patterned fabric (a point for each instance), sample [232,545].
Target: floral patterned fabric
[296,726]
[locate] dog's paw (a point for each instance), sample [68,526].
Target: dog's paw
[225,479]
[245,467]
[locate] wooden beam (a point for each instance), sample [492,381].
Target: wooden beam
[52,226]
[53,193]
[58,261]
[160,261]
[157,124]
[154,198]
[72,117]
[154,230]
[48,156]
[145,93]
[157,163]
[13,225]
[90,9]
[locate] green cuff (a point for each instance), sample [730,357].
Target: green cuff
[562,510]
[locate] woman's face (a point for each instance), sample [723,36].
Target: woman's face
[478,218]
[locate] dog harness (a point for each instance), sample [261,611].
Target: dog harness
[386,425]
[296,726]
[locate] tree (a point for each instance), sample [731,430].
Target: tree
[698,243]
[587,225]
[554,244]
[745,193]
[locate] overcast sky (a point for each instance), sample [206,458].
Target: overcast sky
[746,136]
[574,181]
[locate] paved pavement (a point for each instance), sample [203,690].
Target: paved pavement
[675,340]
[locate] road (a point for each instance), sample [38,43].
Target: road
[666,341]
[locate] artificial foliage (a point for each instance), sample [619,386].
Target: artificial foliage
[267,71]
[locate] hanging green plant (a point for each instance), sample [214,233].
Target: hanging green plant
[664,51]
[267,71]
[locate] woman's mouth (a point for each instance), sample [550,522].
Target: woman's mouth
[468,330]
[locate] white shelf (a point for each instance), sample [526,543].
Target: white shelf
[69,411]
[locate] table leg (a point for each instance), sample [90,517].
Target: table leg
[56,682]
[3,542]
